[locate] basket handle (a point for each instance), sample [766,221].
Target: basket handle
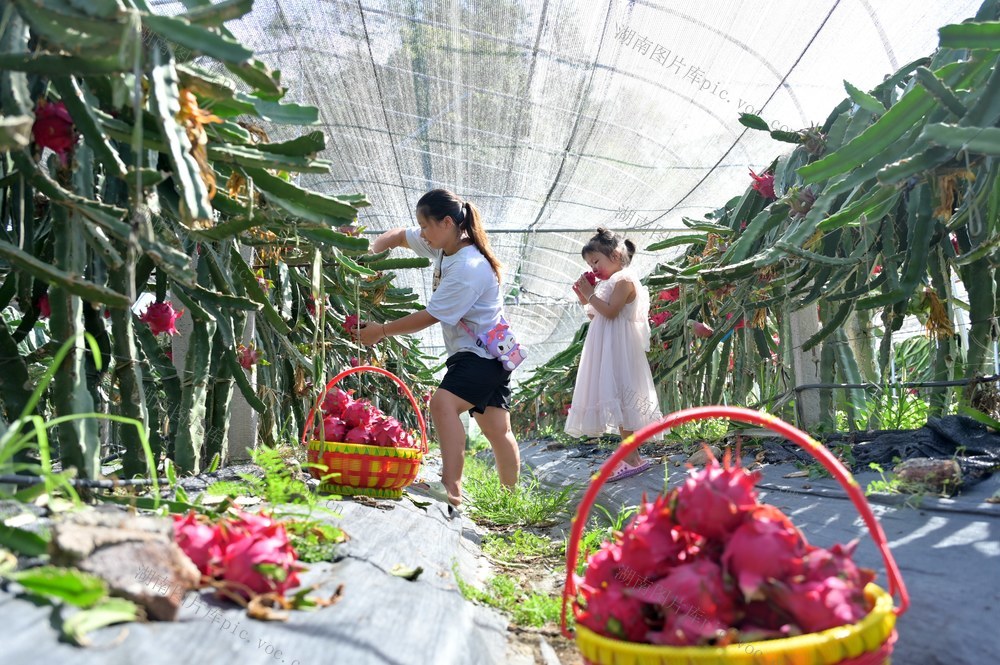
[378,370]
[811,445]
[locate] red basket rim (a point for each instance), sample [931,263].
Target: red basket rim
[378,370]
[811,445]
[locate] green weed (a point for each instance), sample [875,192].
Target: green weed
[526,608]
[518,546]
[527,504]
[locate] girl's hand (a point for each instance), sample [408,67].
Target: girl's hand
[584,288]
[579,296]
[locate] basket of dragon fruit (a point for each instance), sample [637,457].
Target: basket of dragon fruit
[706,574]
[354,448]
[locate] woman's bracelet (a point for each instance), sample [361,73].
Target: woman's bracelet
[383,331]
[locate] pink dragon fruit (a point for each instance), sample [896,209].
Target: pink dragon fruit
[766,547]
[763,184]
[198,540]
[713,501]
[701,330]
[333,429]
[659,318]
[651,544]
[828,591]
[591,277]
[820,563]
[256,556]
[336,401]
[763,621]
[358,434]
[358,413]
[691,590]
[707,565]
[611,613]
[604,569]
[670,295]
[820,604]
[388,432]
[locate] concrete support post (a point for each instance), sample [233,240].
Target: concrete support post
[242,431]
[803,324]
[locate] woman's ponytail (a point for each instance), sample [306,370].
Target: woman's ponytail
[440,203]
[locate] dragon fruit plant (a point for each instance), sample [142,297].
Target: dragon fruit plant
[350,420]
[708,564]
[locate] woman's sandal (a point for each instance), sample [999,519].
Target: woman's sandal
[626,470]
[435,489]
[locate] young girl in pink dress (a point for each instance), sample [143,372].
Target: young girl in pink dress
[614,386]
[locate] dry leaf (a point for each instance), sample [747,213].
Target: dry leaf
[265,607]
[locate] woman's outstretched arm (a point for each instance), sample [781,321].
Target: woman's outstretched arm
[388,240]
[373,332]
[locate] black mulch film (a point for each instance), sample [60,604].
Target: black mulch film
[968,442]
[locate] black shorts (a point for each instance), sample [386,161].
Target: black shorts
[482,381]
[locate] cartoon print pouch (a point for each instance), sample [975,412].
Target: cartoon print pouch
[499,342]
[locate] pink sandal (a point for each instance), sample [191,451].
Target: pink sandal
[626,470]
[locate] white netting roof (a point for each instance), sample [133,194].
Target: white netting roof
[559,116]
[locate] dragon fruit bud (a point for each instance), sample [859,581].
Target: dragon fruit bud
[766,547]
[814,140]
[713,501]
[801,200]
[591,277]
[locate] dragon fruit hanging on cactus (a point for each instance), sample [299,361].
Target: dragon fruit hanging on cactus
[708,564]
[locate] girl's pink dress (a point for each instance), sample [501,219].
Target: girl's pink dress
[614,386]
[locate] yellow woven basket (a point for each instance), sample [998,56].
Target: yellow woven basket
[867,642]
[355,469]
[375,471]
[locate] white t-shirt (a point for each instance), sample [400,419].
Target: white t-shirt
[466,288]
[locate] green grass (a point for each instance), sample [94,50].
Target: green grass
[518,547]
[503,592]
[710,430]
[527,504]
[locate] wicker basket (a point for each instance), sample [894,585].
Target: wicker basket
[867,642]
[353,469]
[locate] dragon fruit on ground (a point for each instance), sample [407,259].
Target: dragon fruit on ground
[708,565]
